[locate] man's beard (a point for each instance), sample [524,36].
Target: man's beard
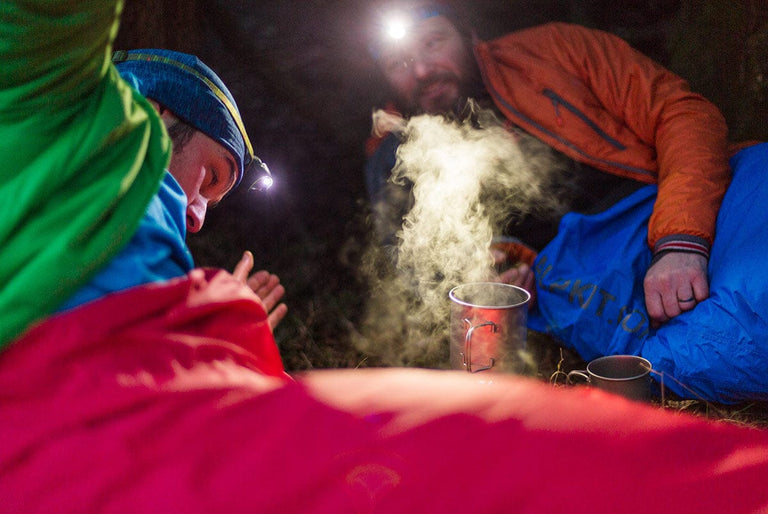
[452,102]
[439,93]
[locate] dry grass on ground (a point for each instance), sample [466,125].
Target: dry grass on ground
[311,345]
[327,297]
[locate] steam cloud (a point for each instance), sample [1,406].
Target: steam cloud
[468,178]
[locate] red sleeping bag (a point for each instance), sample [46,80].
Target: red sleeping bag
[172,398]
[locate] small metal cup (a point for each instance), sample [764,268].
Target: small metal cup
[625,375]
[488,326]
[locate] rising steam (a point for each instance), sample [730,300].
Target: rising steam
[468,179]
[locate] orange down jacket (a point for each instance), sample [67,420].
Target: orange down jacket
[591,96]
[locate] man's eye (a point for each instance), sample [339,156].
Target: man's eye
[395,64]
[434,42]
[214,177]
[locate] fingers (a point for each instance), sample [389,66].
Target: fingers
[529,280]
[675,284]
[243,267]
[266,286]
[277,315]
[700,283]
[499,256]
[686,300]
[269,290]
[259,280]
[521,276]
[271,298]
[510,276]
[662,304]
[693,292]
[197,278]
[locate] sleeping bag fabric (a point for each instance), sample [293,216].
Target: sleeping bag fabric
[82,152]
[172,398]
[590,292]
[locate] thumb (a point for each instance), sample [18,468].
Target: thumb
[243,267]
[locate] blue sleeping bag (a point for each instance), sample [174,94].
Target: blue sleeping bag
[589,283]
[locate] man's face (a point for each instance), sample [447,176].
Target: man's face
[430,70]
[206,172]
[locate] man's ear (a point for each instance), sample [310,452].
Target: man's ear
[169,119]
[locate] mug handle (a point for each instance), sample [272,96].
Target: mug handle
[581,373]
[467,355]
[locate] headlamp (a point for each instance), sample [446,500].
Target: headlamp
[258,175]
[396,25]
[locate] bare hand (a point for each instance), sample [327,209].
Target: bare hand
[520,276]
[266,286]
[514,257]
[675,284]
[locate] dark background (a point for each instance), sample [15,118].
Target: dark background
[305,86]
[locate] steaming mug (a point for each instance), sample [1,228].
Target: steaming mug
[626,375]
[488,326]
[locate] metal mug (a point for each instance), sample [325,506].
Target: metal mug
[626,375]
[488,326]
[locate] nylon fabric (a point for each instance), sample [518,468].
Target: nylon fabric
[157,251]
[75,192]
[589,284]
[591,96]
[172,398]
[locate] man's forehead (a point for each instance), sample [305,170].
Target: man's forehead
[438,23]
[416,30]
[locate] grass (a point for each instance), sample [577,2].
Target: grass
[328,327]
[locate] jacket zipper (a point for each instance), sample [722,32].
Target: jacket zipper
[519,115]
[557,101]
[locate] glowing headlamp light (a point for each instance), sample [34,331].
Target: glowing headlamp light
[259,176]
[396,26]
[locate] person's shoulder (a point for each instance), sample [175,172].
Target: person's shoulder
[555,33]
[535,32]
[548,28]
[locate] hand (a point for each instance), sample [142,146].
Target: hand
[266,286]
[675,284]
[521,276]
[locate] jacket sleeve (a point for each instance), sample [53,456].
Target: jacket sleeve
[82,153]
[637,114]
[688,132]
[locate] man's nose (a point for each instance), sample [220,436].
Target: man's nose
[196,214]
[422,66]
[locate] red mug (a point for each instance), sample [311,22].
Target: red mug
[488,327]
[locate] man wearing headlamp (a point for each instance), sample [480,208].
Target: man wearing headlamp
[621,119]
[211,155]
